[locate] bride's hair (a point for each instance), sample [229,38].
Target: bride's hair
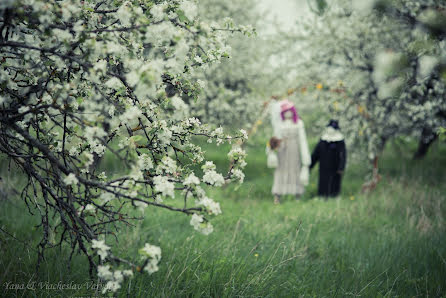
[292,110]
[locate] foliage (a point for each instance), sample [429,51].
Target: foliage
[84,81]
[388,243]
[235,90]
[387,64]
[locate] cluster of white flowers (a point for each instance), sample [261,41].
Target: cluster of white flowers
[211,176]
[189,8]
[88,159]
[427,65]
[106,197]
[199,224]
[157,11]
[153,253]
[124,13]
[145,162]
[167,165]
[211,206]
[164,186]
[101,247]
[165,134]
[238,174]
[191,180]
[239,155]
[192,122]
[130,114]
[244,134]
[208,165]
[114,278]
[71,179]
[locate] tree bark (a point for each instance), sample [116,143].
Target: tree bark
[427,138]
[370,186]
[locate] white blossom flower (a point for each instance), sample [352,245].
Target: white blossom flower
[209,165]
[165,136]
[145,162]
[124,14]
[63,35]
[198,59]
[191,179]
[127,272]
[167,165]
[118,276]
[157,12]
[100,65]
[141,205]
[201,83]
[111,286]
[238,174]
[114,83]
[197,221]
[102,176]
[244,134]
[131,113]
[70,179]
[99,149]
[73,151]
[427,65]
[172,15]
[151,251]
[89,208]
[106,197]
[23,109]
[104,272]
[237,153]
[151,267]
[163,185]
[211,206]
[101,247]
[213,178]
[193,122]
[189,8]
[136,173]
[78,26]
[111,111]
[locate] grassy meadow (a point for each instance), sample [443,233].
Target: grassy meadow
[390,243]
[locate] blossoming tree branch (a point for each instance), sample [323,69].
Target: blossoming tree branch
[83,81]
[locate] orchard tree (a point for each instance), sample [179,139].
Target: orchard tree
[84,80]
[428,18]
[385,65]
[235,90]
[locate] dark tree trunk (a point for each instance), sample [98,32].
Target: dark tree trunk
[370,186]
[427,138]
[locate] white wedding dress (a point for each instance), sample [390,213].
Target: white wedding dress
[291,174]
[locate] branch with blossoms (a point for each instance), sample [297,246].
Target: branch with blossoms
[85,84]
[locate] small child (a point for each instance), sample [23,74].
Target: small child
[331,154]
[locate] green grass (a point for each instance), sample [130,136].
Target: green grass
[390,243]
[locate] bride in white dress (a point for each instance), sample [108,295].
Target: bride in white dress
[292,173]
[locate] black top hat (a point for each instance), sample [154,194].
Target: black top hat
[334,124]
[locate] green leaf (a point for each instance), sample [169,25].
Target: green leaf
[136,138]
